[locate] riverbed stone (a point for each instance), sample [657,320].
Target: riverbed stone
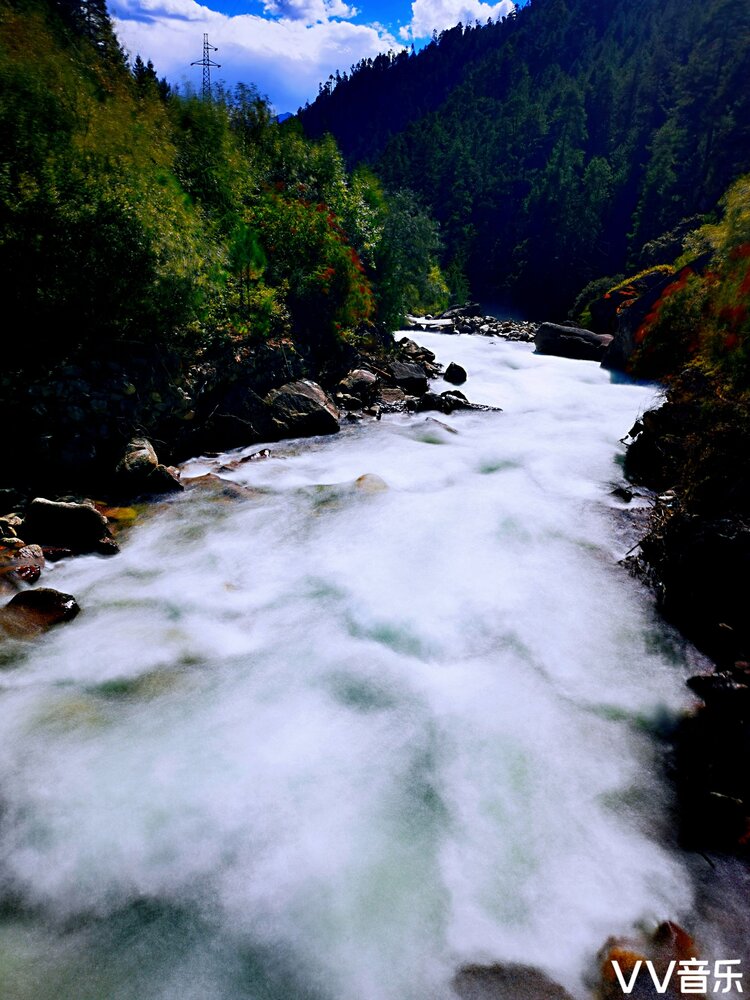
[409,377]
[302,409]
[455,374]
[140,473]
[506,982]
[32,612]
[20,563]
[360,384]
[75,526]
[571,342]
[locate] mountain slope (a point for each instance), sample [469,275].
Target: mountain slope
[553,145]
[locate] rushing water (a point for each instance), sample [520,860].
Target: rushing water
[333,739]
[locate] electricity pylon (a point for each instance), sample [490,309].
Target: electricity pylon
[206,63]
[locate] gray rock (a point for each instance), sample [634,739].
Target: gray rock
[302,409]
[409,377]
[569,342]
[360,384]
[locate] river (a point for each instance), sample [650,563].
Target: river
[339,736]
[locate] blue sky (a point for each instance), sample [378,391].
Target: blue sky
[286,47]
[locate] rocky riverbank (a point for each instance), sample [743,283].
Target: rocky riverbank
[469,318]
[693,452]
[249,405]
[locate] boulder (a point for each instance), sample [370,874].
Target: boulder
[34,611]
[408,376]
[302,409]
[571,342]
[415,352]
[455,374]
[445,402]
[78,527]
[140,472]
[467,310]
[361,384]
[506,982]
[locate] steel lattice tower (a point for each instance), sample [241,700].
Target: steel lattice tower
[206,63]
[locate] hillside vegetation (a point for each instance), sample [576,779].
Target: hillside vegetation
[554,144]
[149,238]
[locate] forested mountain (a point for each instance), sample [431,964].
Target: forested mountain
[554,144]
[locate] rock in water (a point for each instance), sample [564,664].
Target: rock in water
[20,563]
[571,342]
[140,472]
[302,409]
[506,982]
[78,527]
[409,377]
[361,384]
[34,611]
[455,374]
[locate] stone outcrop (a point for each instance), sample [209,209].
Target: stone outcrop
[571,342]
[302,409]
[139,471]
[408,376]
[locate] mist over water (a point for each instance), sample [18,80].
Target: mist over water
[334,739]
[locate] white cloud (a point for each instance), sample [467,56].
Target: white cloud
[286,58]
[429,14]
[309,11]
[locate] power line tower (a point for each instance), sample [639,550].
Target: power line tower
[206,63]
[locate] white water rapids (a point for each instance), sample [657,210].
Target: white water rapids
[332,741]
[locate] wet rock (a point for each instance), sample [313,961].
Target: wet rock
[360,384]
[34,611]
[75,526]
[349,403]
[445,402]
[622,493]
[139,471]
[20,563]
[237,463]
[392,399]
[221,489]
[415,352]
[506,982]
[455,374]
[9,525]
[453,399]
[302,409]
[469,309]
[569,342]
[667,944]
[409,377]
[371,483]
